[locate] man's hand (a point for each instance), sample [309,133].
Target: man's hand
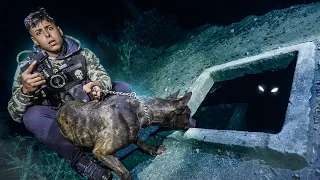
[31,81]
[94,89]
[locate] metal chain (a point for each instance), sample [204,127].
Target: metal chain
[132,95]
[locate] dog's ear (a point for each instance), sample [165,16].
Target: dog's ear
[174,95]
[183,101]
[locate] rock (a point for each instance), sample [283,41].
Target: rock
[231,30]
[316,120]
[318,172]
[296,176]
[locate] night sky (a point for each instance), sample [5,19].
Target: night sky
[74,19]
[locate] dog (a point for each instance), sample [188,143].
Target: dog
[114,123]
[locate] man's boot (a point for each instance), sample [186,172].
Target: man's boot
[90,168]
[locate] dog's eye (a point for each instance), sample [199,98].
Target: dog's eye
[260,88]
[274,90]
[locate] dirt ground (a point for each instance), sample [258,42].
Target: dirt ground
[182,63]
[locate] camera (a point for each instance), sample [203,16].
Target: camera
[55,81]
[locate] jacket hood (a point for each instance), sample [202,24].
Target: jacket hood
[71,46]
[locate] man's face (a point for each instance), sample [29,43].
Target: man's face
[47,35]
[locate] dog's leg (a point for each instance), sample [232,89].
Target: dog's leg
[152,150]
[102,152]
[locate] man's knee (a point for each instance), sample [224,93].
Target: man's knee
[30,117]
[120,86]
[34,116]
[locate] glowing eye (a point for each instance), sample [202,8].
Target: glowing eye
[274,90]
[261,88]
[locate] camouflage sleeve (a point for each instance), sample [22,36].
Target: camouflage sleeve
[96,71]
[18,102]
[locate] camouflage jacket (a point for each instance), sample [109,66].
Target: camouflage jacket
[19,102]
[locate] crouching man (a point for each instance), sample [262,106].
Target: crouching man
[58,71]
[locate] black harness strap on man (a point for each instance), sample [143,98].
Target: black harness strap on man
[64,82]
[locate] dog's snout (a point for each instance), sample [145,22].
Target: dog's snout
[192,122]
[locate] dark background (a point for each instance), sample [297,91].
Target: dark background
[78,19]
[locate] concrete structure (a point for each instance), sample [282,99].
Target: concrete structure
[288,148]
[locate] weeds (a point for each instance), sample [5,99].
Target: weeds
[32,160]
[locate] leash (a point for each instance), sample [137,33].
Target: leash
[131,95]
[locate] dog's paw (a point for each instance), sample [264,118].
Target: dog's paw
[159,151]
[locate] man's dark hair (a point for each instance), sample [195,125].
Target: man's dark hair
[37,17]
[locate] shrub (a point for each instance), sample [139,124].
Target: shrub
[140,42]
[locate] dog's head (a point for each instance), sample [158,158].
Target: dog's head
[180,118]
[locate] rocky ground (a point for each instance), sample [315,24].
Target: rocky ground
[180,66]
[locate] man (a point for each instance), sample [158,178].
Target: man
[67,72]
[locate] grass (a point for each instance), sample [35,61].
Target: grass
[29,159]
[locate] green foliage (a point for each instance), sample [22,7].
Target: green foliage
[32,160]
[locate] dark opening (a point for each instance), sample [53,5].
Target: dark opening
[254,102]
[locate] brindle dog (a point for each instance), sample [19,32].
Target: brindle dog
[114,123]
